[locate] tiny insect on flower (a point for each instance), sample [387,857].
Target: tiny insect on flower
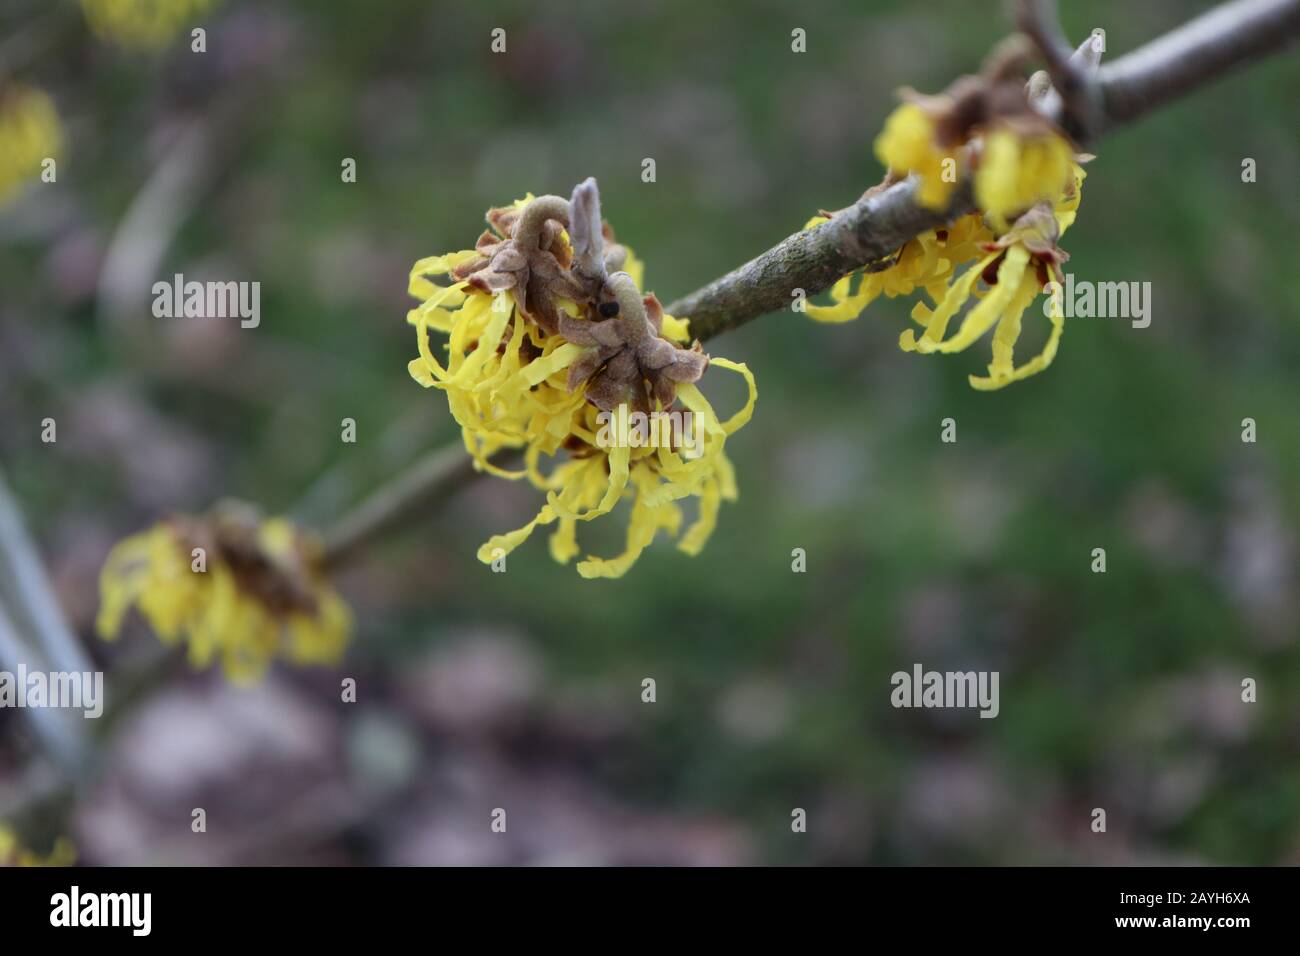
[237,589]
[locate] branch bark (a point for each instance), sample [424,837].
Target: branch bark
[433,477]
[33,630]
[1165,69]
[1196,53]
[813,259]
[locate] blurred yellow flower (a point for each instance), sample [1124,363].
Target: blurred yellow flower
[1017,163]
[143,24]
[1012,174]
[909,144]
[12,853]
[237,589]
[30,132]
[537,349]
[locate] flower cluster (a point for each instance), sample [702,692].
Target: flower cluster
[143,24]
[1026,180]
[30,132]
[546,330]
[13,853]
[237,589]
[926,262]
[983,128]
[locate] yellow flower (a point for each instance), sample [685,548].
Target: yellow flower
[909,144]
[30,133]
[12,853]
[235,588]
[1013,173]
[1018,164]
[143,24]
[489,342]
[925,262]
[1016,268]
[596,477]
[1024,173]
[537,348]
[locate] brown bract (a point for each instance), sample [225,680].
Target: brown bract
[523,253]
[997,94]
[629,362]
[1038,231]
[974,102]
[281,583]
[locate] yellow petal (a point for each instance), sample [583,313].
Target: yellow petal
[936,321]
[505,543]
[1011,273]
[540,369]
[1008,331]
[1033,366]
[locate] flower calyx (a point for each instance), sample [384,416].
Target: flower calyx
[628,361]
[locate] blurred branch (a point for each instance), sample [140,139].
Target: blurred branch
[1075,100]
[37,784]
[26,591]
[1163,70]
[436,476]
[53,728]
[337,484]
[813,259]
[155,216]
[34,41]
[24,582]
[1196,53]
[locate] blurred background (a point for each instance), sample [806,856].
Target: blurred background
[523,690]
